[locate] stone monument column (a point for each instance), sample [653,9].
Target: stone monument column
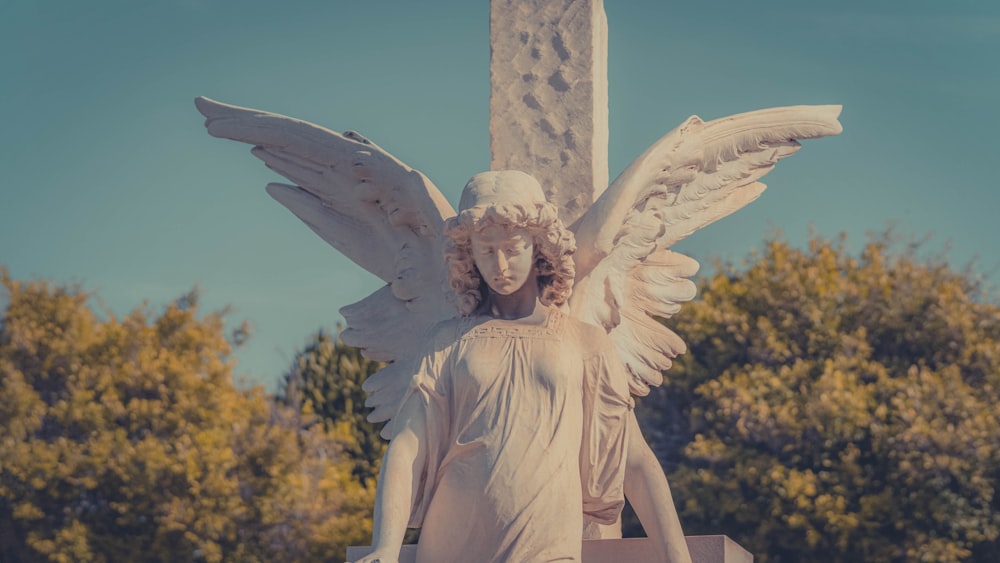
[549,96]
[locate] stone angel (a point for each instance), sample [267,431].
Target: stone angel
[516,342]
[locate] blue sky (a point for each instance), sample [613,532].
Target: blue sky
[111,181]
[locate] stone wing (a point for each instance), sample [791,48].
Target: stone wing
[698,173]
[377,211]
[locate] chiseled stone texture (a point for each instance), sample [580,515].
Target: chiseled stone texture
[549,96]
[704,549]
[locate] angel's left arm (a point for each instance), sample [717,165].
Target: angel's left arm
[400,480]
[646,488]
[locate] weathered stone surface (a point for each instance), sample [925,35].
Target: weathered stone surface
[531,385]
[549,96]
[495,372]
[704,549]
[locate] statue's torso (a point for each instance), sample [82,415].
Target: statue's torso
[508,487]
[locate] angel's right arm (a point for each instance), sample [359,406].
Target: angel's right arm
[399,480]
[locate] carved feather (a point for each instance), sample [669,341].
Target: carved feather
[379,212]
[363,198]
[690,178]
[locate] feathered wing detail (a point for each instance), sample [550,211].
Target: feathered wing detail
[698,173]
[379,212]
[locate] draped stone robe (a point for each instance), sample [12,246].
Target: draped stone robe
[525,439]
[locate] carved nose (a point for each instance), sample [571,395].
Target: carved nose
[501,261]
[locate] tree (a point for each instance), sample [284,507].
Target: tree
[125,439]
[836,408]
[324,381]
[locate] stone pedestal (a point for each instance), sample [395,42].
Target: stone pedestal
[704,549]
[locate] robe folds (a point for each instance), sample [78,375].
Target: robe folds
[526,438]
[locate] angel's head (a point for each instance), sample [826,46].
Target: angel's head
[505,215]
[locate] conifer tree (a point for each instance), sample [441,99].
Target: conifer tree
[324,384]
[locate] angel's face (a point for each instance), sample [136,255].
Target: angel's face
[504,256]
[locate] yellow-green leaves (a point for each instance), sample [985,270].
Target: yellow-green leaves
[324,385]
[836,407]
[126,440]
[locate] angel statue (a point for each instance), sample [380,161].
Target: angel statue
[516,342]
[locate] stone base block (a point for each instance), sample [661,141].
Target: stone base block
[704,549]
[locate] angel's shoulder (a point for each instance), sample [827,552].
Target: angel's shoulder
[448,330]
[589,336]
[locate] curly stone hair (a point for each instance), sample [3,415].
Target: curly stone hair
[553,248]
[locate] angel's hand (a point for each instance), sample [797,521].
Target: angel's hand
[380,556]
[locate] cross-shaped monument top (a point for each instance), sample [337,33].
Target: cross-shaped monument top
[549,96]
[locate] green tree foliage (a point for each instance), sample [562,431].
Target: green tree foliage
[837,408]
[125,440]
[325,382]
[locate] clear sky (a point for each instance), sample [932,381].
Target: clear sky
[110,180]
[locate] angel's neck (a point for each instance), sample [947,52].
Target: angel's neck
[521,304]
